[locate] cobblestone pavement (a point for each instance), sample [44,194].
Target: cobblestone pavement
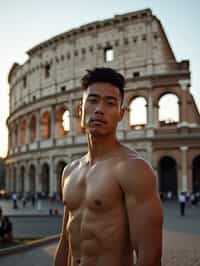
[181,241]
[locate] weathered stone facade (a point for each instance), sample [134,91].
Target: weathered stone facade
[48,84]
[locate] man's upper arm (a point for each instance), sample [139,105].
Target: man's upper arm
[144,211]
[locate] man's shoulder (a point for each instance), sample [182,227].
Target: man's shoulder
[72,165]
[135,172]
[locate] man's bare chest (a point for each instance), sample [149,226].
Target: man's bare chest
[93,187]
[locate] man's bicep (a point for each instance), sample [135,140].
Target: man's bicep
[145,227]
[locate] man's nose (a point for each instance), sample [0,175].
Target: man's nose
[99,108]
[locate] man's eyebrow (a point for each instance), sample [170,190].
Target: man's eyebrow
[93,95]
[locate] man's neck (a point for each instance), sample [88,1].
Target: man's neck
[101,147]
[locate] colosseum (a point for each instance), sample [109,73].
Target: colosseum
[44,126]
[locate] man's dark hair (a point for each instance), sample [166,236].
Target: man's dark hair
[104,74]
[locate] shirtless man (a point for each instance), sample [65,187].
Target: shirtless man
[111,205]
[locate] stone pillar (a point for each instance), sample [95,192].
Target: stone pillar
[7,180]
[72,119]
[37,115]
[19,133]
[18,178]
[156,118]
[52,189]
[27,129]
[150,114]
[149,49]
[183,110]
[26,177]
[38,187]
[184,173]
[53,123]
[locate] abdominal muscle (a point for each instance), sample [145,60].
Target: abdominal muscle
[99,240]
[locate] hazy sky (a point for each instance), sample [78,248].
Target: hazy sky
[26,23]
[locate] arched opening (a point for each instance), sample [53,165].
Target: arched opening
[168,109]
[61,165]
[23,132]
[45,124]
[168,175]
[196,174]
[32,173]
[138,113]
[66,120]
[32,128]
[21,179]
[45,179]
[62,122]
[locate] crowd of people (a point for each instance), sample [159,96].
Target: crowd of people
[184,199]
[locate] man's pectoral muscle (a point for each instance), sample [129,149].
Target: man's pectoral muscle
[144,211]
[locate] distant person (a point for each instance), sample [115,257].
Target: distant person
[33,199]
[182,202]
[14,199]
[5,227]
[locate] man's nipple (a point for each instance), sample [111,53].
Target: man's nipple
[98,202]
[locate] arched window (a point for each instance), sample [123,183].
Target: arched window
[138,113]
[45,125]
[62,122]
[32,128]
[66,120]
[168,109]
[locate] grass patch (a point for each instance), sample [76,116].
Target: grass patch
[16,242]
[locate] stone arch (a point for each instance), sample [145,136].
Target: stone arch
[167,171]
[32,128]
[138,112]
[23,131]
[32,179]
[169,110]
[61,122]
[21,179]
[45,125]
[196,174]
[59,169]
[45,179]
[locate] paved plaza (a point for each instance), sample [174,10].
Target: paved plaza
[181,242]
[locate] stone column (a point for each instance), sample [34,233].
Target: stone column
[156,118]
[184,173]
[7,180]
[183,111]
[38,187]
[53,123]
[52,189]
[26,177]
[19,133]
[18,179]
[150,115]
[71,119]
[27,130]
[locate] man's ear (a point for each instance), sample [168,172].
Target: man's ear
[122,112]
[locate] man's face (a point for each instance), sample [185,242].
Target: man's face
[101,109]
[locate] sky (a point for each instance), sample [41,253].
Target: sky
[24,24]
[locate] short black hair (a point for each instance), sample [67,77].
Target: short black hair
[104,74]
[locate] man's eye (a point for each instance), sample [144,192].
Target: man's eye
[92,100]
[111,103]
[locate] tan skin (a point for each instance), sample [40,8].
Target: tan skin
[111,203]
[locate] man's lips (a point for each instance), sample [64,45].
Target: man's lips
[98,120]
